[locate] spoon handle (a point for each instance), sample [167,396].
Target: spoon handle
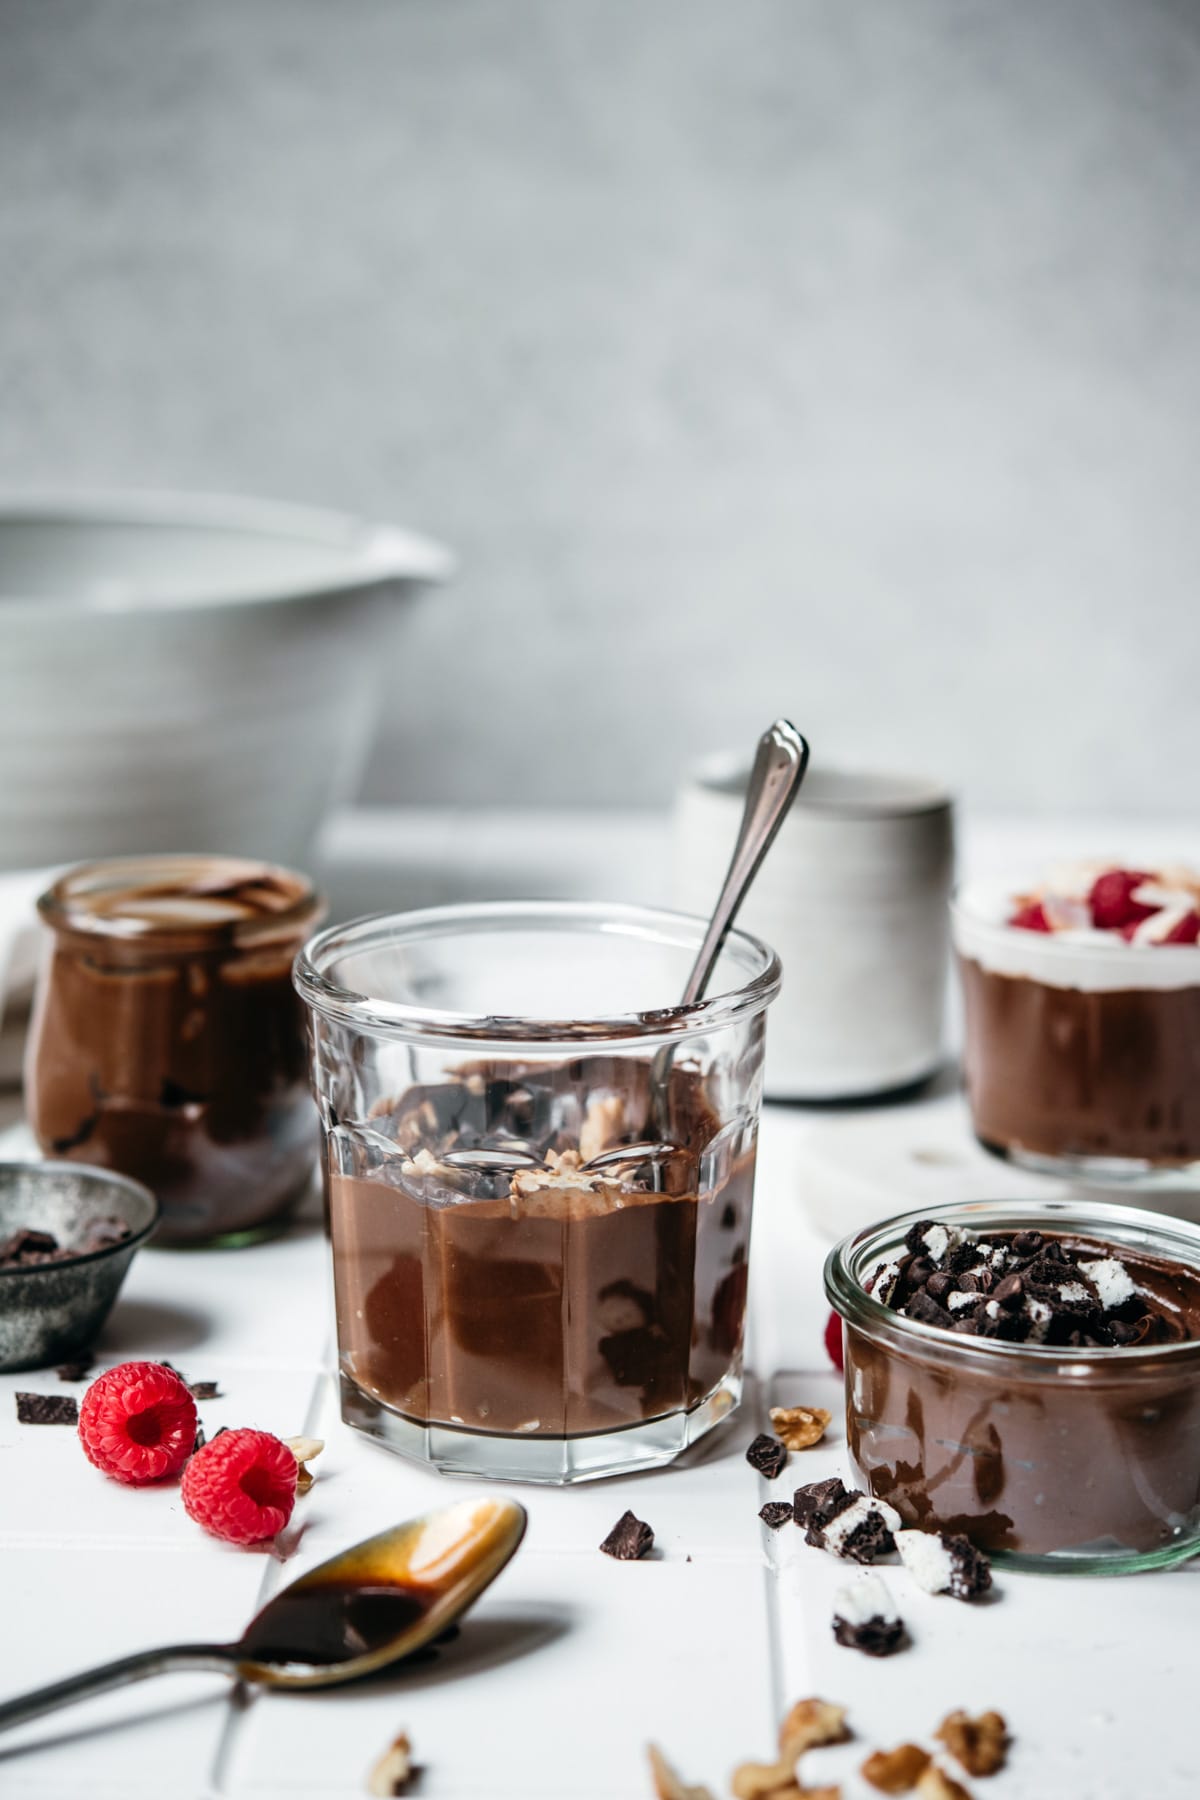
[113,1675]
[778,770]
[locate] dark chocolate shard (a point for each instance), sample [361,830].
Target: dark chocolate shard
[776,1513]
[875,1637]
[767,1455]
[923,1307]
[865,1617]
[818,1501]
[47,1409]
[203,1390]
[971,1573]
[78,1369]
[629,1538]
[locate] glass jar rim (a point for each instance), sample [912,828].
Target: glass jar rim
[1159,1233]
[398,1019]
[64,904]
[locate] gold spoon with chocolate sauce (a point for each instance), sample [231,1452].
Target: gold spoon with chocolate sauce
[358,1612]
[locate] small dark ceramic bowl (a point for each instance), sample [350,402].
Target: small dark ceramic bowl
[51,1311]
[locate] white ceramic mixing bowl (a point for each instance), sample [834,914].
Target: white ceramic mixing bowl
[182,672]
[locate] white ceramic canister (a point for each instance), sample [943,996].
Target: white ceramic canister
[854,896]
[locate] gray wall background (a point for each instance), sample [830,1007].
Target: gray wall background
[841,358]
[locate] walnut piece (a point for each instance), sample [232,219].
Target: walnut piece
[980,1745]
[304,1449]
[394,1770]
[808,1725]
[565,1171]
[896,1771]
[799,1427]
[935,1784]
[667,1784]
[763,1781]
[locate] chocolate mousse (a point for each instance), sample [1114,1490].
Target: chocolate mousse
[979,1428]
[517,1250]
[1082,1003]
[168,1043]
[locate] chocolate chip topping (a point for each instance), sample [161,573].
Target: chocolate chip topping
[776,1513]
[1027,1287]
[629,1538]
[767,1455]
[47,1409]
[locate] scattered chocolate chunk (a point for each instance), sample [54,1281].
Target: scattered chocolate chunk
[851,1524]
[800,1427]
[77,1370]
[896,1771]
[767,1455]
[629,1538]
[943,1562]
[980,1745]
[865,1618]
[47,1409]
[201,1440]
[776,1513]
[816,1503]
[204,1390]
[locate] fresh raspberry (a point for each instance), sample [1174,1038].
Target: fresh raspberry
[138,1423]
[833,1340]
[1186,932]
[1112,901]
[241,1486]
[1031,918]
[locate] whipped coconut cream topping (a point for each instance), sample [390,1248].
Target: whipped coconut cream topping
[1073,953]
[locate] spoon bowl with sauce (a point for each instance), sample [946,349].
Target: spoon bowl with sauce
[371,1606]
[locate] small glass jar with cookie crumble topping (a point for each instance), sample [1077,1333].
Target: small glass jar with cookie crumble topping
[1028,1374]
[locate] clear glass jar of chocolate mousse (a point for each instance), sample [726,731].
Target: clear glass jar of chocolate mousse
[540,1173]
[167,1040]
[1082,1021]
[1076,1456]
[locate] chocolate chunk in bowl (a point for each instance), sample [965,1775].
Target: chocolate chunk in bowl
[54,1300]
[1029,1378]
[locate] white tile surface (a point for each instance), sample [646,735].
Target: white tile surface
[571,1661]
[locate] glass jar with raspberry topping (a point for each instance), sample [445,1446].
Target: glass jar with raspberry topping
[1082,1015]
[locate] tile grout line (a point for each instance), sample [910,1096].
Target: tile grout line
[243,1697]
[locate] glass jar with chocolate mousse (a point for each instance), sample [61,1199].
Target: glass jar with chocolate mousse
[1082,1014]
[167,1040]
[1028,1374]
[540,1173]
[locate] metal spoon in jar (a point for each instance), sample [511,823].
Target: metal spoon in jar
[356,1613]
[779,765]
